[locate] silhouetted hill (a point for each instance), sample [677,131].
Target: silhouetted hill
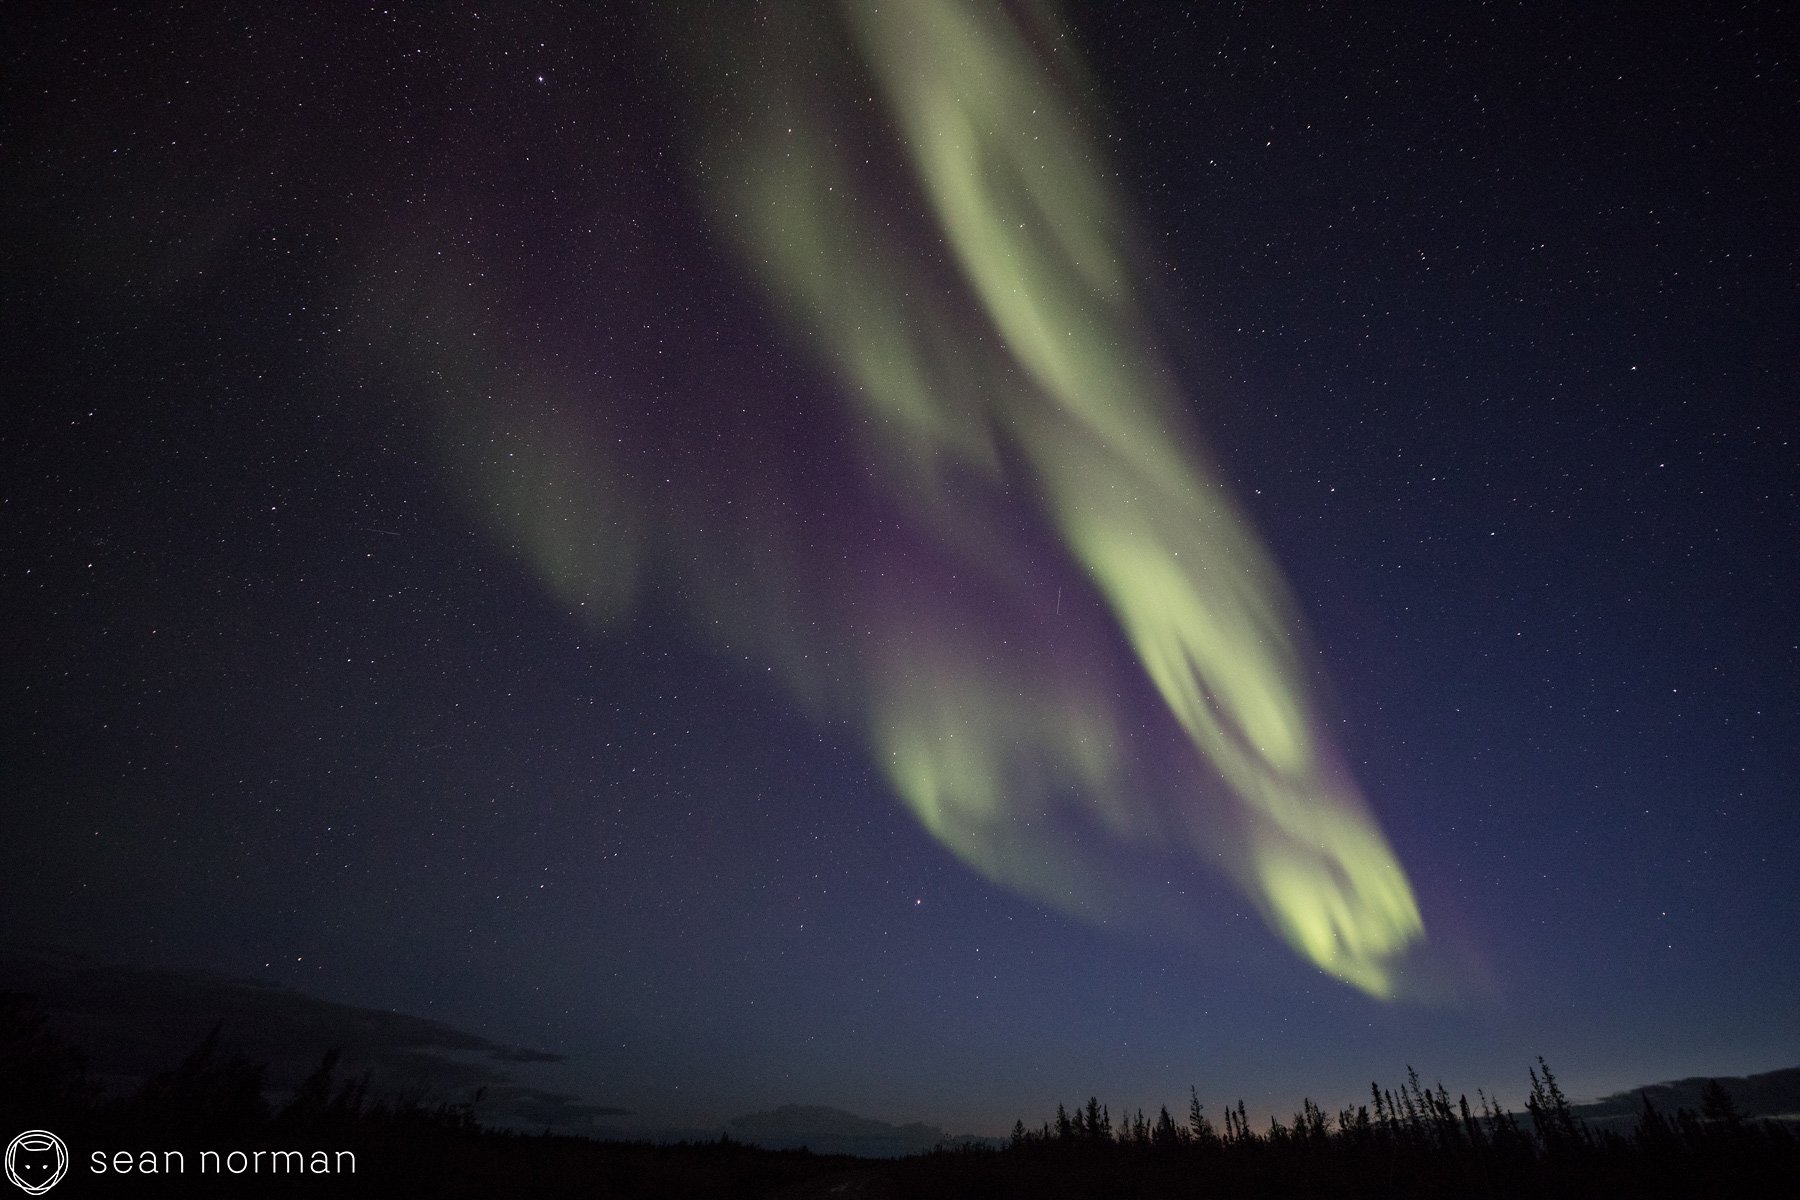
[834,1131]
[333,1136]
[1699,1138]
[1772,1094]
[131,1022]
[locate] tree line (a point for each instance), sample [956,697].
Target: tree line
[1413,1140]
[1407,1141]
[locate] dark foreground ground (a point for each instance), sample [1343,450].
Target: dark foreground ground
[195,1130]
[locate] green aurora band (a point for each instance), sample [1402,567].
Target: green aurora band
[1061,383]
[914,187]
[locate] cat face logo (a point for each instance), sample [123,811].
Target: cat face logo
[36,1160]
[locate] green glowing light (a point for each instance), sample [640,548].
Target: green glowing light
[541,486]
[1061,377]
[913,185]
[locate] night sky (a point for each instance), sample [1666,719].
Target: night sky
[597,526]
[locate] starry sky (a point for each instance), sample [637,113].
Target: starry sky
[456,562]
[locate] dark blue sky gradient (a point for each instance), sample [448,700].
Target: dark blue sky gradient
[1489,316]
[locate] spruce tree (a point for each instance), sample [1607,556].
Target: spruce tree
[1164,1134]
[1094,1130]
[1201,1128]
[1717,1106]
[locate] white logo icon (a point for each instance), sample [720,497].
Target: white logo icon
[36,1160]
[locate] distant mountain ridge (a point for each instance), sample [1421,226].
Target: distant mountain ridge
[825,1130]
[132,1022]
[1770,1094]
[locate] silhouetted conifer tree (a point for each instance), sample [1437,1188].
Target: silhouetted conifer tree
[210,1090]
[1550,1113]
[1414,1117]
[1309,1122]
[1717,1106]
[41,1076]
[1201,1128]
[1165,1134]
[1653,1131]
[1471,1129]
[1092,1126]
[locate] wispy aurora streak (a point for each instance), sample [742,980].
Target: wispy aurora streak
[1063,644]
[1056,389]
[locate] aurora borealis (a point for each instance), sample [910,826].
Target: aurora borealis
[1035,376]
[928,558]
[1035,379]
